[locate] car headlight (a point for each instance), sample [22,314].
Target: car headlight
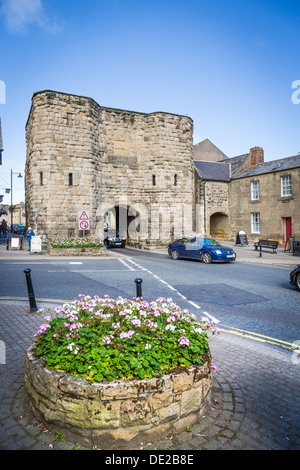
[110,239]
[219,252]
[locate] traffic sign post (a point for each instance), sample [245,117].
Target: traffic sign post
[83,221]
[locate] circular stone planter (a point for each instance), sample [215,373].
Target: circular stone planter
[119,413]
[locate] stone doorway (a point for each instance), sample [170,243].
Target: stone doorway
[219,225]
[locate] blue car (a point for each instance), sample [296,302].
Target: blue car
[207,250]
[295,277]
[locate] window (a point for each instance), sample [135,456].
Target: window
[286,185]
[254,190]
[175,180]
[70,179]
[255,222]
[153,180]
[41,179]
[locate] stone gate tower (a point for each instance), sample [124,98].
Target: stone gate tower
[132,166]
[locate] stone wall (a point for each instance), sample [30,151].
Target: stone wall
[118,413]
[82,156]
[88,251]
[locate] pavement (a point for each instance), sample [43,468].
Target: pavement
[255,393]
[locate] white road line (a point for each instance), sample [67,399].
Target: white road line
[126,264]
[213,319]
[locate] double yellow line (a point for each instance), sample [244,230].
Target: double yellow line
[261,338]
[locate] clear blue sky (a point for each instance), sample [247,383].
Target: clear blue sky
[228,64]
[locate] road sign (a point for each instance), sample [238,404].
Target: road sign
[36,245]
[83,220]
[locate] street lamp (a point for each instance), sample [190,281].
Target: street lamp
[11,195]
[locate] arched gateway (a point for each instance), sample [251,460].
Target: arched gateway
[82,156]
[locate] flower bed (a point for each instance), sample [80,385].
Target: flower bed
[76,247]
[115,369]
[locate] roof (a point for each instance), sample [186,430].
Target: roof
[207,151]
[273,166]
[213,170]
[236,162]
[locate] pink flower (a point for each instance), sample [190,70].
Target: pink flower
[171,318]
[127,335]
[213,367]
[183,341]
[43,328]
[107,339]
[136,322]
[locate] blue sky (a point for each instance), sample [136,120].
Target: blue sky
[228,64]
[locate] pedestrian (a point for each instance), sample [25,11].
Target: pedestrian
[4,227]
[29,234]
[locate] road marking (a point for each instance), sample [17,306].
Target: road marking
[213,319]
[126,264]
[75,262]
[260,338]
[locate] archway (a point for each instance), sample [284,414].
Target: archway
[219,225]
[130,222]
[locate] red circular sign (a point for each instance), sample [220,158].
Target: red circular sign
[83,225]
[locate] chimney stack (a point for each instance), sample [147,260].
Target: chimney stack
[256,156]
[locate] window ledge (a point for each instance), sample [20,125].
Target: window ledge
[285,198]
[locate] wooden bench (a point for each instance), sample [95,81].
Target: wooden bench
[266,244]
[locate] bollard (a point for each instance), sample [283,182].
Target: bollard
[260,251]
[32,303]
[138,287]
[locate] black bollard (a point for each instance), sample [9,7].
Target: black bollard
[138,287]
[260,251]
[32,303]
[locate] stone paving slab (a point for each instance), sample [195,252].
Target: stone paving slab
[255,396]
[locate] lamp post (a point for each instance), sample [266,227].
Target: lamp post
[11,195]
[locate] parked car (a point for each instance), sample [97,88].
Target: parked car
[21,229]
[295,277]
[112,239]
[13,228]
[206,250]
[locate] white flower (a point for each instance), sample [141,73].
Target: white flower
[148,346]
[171,327]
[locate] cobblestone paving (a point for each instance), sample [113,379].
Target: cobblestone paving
[255,399]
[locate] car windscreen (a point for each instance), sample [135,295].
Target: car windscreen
[208,242]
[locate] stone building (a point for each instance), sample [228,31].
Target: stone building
[132,169]
[246,193]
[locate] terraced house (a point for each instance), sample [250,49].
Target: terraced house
[246,193]
[141,174]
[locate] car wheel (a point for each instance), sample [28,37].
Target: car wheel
[298,281]
[174,254]
[206,258]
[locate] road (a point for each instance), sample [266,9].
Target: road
[251,297]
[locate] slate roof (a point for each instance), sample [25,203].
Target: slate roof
[213,170]
[236,162]
[269,167]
